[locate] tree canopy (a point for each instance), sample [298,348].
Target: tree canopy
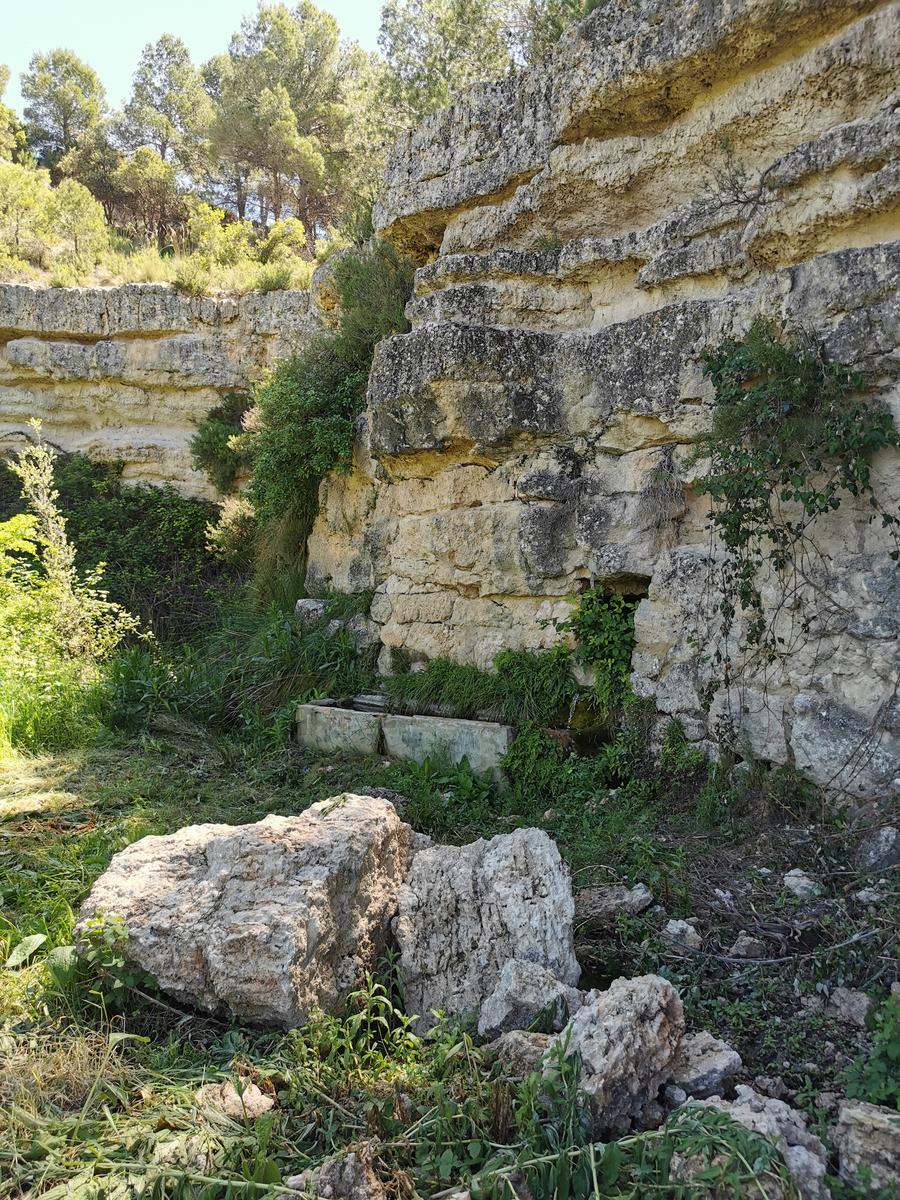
[289,122]
[64,100]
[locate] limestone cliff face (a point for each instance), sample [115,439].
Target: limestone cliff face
[585,231]
[127,373]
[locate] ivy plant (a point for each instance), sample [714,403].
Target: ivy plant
[793,434]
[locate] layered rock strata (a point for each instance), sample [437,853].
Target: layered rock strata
[126,374]
[585,231]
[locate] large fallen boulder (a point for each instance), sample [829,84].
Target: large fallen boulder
[262,921]
[627,1039]
[466,911]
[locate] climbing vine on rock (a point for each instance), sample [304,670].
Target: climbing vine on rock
[603,628]
[793,435]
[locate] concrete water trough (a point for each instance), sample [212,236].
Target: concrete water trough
[363,726]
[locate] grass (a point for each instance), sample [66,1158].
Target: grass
[84,1106]
[145,264]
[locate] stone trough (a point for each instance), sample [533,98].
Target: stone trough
[362,726]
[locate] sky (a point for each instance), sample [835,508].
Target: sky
[110,34]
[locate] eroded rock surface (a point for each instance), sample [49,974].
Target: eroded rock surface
[705,1065]
[867,1139]
[126,374]
[802,1151]
[467,911]
[525,993]
[262,921]
[586,230]
[627,1038]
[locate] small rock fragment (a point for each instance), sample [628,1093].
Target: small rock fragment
[868,896]
[746,946]
[879,850]
[674,1096]
[867,1139]
[802,884]
[773,1086]
[248,1103]
[523,993]
[601,905]
[850,1006]
[518,1052]
[705,1066]
[682,933]
[347,1176]
[652,1116]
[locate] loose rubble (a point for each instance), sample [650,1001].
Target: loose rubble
[803,886]
[705,1066]
[867,1139]
[266,921]
[599,906]
[879,850]
[746,946]
[248,1103]
[802,1151]
[682,933]
[849,1005]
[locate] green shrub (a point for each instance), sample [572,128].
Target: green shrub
[525,685]
[247,676]
[192,277]
[876,1076]
[306,414]
[285,240]
[306,410]
[56,624]
[212,446]
[603,628]
[151,540]
[276,276]
[216,241]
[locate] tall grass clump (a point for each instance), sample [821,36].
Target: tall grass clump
[57,625]
[247,676]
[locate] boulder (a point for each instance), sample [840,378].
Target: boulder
[705,1065]
[627,1038]
[525,992]
[803,1153]
[599,906]
[867,1139]
[265,921]
[466,911]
